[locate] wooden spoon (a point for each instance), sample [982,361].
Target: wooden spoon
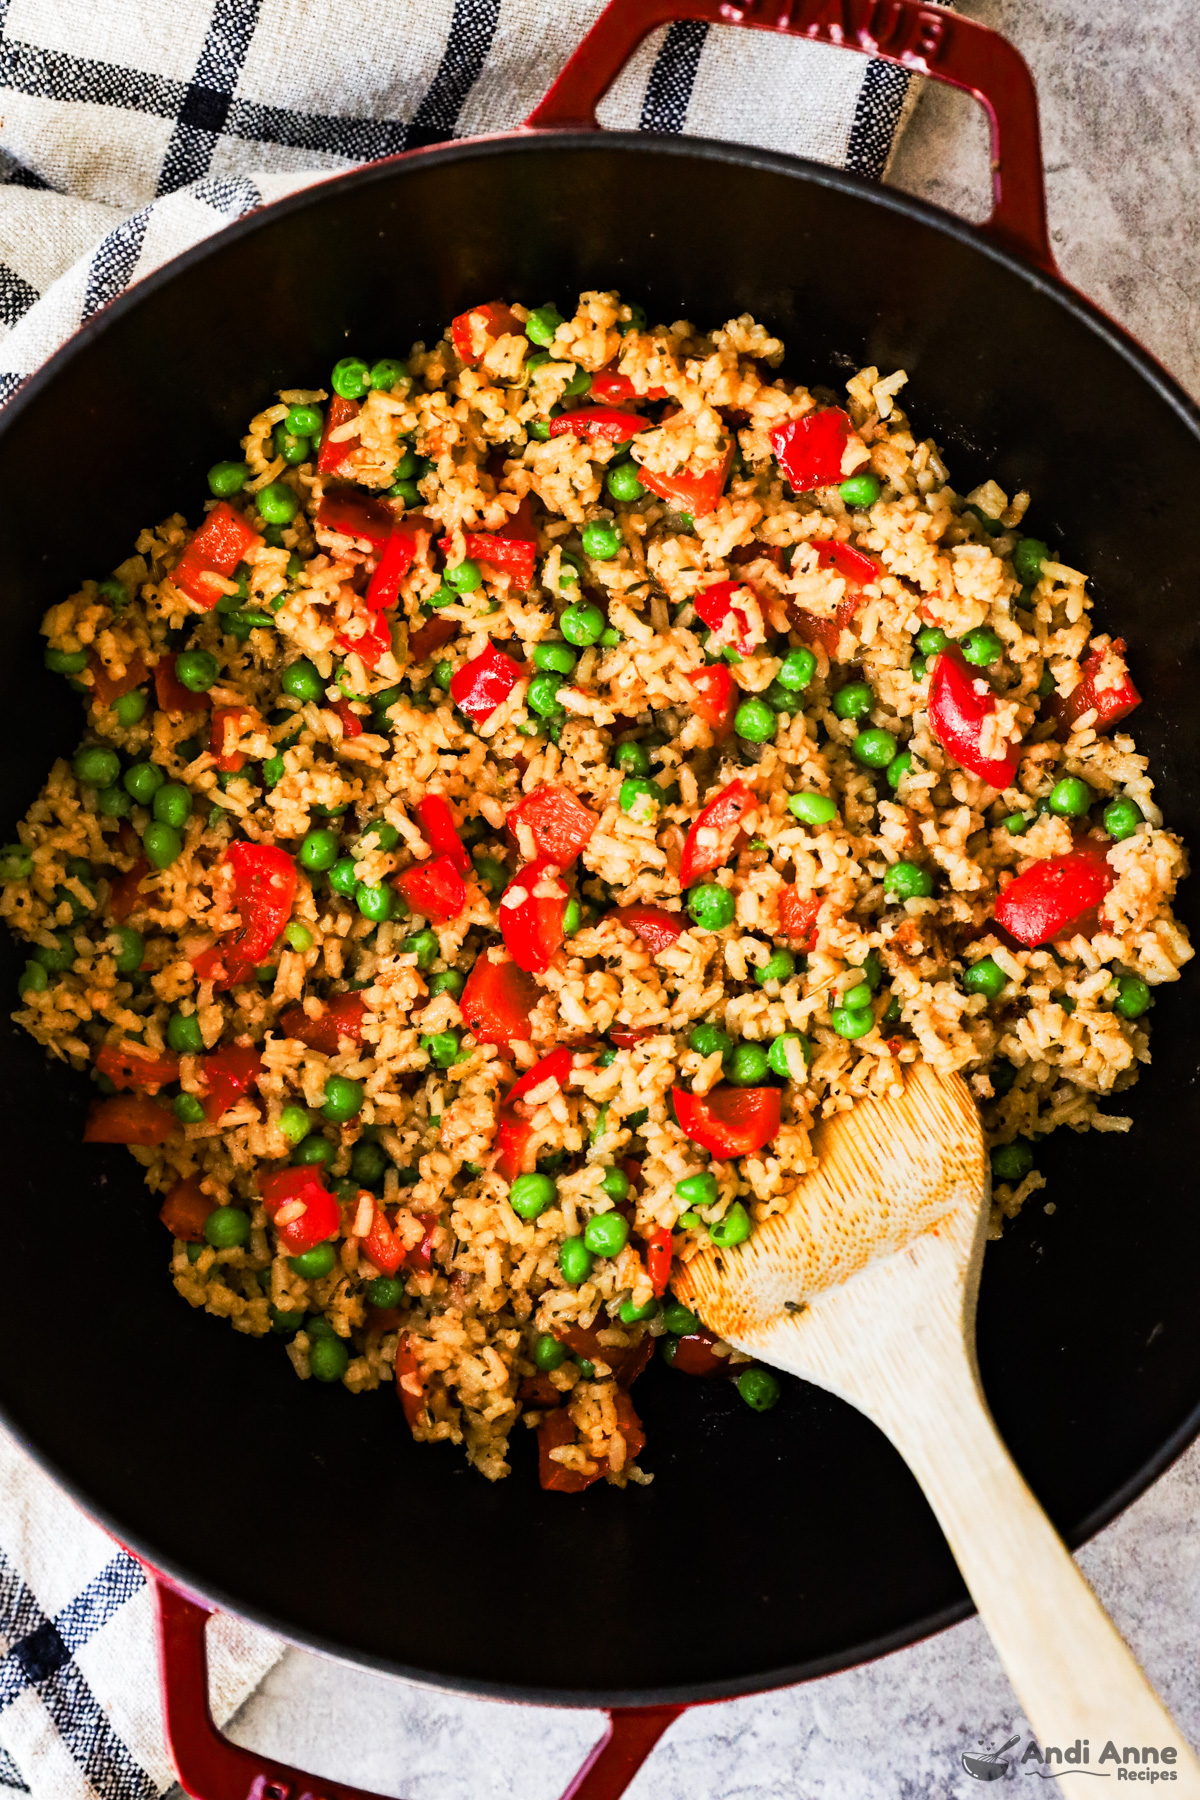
[866,1286]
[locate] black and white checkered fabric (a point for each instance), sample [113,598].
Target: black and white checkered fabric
[129,130]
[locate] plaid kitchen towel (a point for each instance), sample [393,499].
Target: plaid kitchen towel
[129,130]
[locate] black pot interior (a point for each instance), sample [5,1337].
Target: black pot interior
[767,1547]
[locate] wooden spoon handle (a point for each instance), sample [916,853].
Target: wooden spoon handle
[1074,1676]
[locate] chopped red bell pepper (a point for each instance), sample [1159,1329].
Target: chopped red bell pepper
[434,635]
[185,1210]
[401,550]
[410,1384]
[226,729]
[321,1216]
[106,688]
[957,713]
[352,725]
[748,553]
[170,692]
[657,928]
[512,555]
[372,642]
[441,833]
[331,456]
[1110,704]
[357,514]
[798,917]
[217,548]
[342,1021]
[694,1355]
[498,1000]
[625,1040]
[123,893]
[814,629]
[609,385]
[264,887]
[854,566]
[561,825]
[421,1255]
[556,1066]
[728,1121]
[555,1432]
[512,1143]
[658,1259]
[128,1119]
[513,1132]
[381,1245]
[608,423]
[716,696]
[538,1390]
[531,923]
[474,332]
[631,1427]
[126,1069]
[810,449]
[229,1072]
[435,888]
[712,837]
[1057,898]
[484,683]
[714,605]
[626,1364]
[687,492]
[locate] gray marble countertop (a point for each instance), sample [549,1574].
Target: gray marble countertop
[1118,87]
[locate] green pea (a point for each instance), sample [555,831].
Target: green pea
[1017,823]
[548,1353]
[273,771]
[448,981]
[314,1264]
[874,749]
[375,900]
[285,1323]
[465,576]
[812,808]
[130,707]
[423,945]
[312,1152]
[387,373]
[301,681]
[918,668]
[734,1228]
[622,482]
[65,662]
[385,1292]
[542,324]
[1028,558]
[188,1109]
[907,881]
[343,1099]
[342,878]
[710,905]
[758,1387]
[294,1123]
[748,1065]
[227,1228]
[860,490]
[583,623]
[351,378]
[1122,817]
[541,696]
[777,1055]
[297,936]
[225,478]
[680,1318]
[982,647]
[318,1325]
[1133,997]
[368,1162]
[572,917]
[33,979]
[610,636]
[636,320]
[778,967]
[184,1035]
[553,657]
[380,834]
[606,1234]
[172,805]
[898,768]
[854,701]
[305,421]
[319,850]
[574,1261]
[931,640]
[636,793]
[605,1060]
[633,758]
[441,1048]
[697,1190]
[491,872]
[131,951]
[707,1039]
[754,721]
[294,450]
[615,1181]
[328,1358]
[580,383]
[1070,798]
[985,977]
[540,428]
[56,957]
[162,844]
[601,541]
[852,1021]
[1046,685]
[629,1314]
[530,1195]
[96,766]
[277,503]
[797,669]
[16,862]
[857,997]
[1012,1162]
[113,803]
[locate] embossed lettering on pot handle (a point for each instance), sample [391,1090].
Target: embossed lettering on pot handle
[926,39]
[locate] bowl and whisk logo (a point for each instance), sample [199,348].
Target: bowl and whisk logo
[1055,1762]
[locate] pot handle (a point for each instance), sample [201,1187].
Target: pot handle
[929,40]
[211,1768]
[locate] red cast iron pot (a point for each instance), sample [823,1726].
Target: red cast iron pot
[768,1549]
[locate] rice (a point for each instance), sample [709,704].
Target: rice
[473,1306]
